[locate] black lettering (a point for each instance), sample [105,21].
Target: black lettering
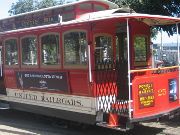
[46,99]
[20,95]
[59,100]
[43,98]
[78,103]
[30,97]
[63,101]
[25,96]
[34,97]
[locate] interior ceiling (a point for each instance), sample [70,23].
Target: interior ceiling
[156,21]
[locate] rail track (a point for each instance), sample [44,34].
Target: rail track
[21,123]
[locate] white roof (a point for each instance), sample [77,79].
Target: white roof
[151,20]
[110,4]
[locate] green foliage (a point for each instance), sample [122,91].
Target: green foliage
[46,3]
[50,49]
[140,48]
[156,7]
[154,32]
[22,6]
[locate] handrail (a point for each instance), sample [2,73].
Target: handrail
[153,69]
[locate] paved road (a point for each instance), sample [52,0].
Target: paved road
[21,123]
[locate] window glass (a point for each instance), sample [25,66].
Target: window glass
[50,49]
[103,50]
[29,51]
[75,48]
[140,49]
[68,16]
[11,52]
[99,7]
[85,6]
[68,8]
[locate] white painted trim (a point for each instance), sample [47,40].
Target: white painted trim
[80,104]
[1,63]
[177,30]
[129,66]
[3,97]
[89,60]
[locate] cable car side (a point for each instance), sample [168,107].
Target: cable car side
[87,61]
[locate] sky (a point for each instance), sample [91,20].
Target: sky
[166,38]
[6,5]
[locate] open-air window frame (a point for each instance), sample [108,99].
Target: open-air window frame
[58,65]
[141,63]
[29,66]
[6,65]
[75,66]
[107,35]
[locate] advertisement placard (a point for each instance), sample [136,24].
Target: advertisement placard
[42,80]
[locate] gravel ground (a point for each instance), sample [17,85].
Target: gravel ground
[21,123]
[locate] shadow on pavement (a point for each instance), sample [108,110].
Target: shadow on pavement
[57,126]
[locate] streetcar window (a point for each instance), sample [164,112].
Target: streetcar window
[85,6]
[68,16]
[68,13]
[68,8]
[50,49]
[140,48]
[29,51]
[11,52]
[99,7]
[103,49]
[75,48]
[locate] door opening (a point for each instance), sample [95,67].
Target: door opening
[122,66]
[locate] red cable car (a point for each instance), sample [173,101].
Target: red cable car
[87,61]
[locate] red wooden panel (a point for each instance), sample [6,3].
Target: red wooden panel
[151,94]
[10,79]
[79,83]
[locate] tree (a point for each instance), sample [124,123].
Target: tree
[23,6]
[156,7]
[46,3]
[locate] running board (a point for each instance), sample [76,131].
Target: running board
[4,106]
